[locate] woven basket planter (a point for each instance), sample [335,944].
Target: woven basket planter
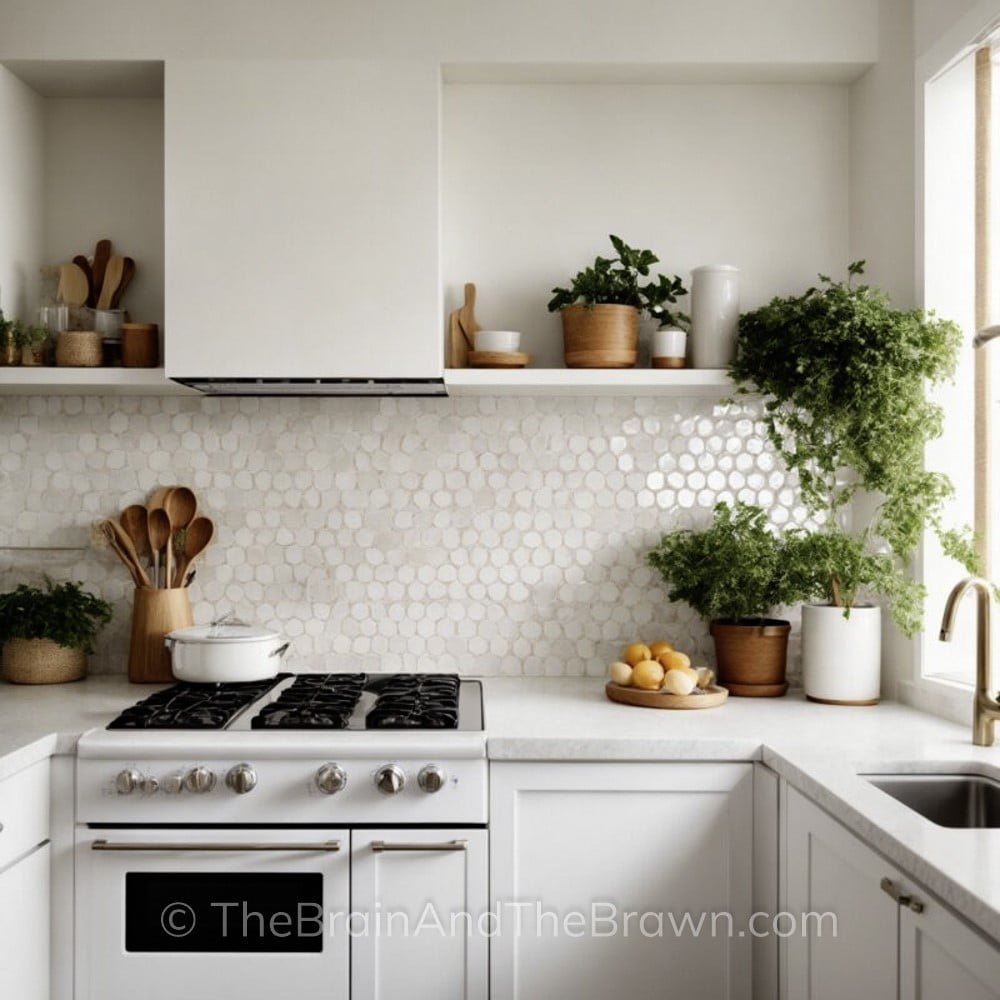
[42,661]
[600,336]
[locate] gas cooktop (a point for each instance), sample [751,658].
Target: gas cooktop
[314,702]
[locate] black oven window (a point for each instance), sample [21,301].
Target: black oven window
[198,912]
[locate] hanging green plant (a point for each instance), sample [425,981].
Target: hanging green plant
[843,376]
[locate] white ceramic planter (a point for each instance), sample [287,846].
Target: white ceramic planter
[668,348]
[715,313]
[841,657]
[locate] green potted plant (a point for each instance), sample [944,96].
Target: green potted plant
[10,351]
[841,633]
[844,377]
[47,632]
[34,343]
[734,573]
[600,309]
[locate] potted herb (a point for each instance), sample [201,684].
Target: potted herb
[600,309]
[844,376]
[34,343]
[842,635]
[734,573]
[10,350]
[47,632]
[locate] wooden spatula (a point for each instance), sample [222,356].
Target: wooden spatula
[73,285]
[128,273]
[102,254]
[112,279]
[84,265]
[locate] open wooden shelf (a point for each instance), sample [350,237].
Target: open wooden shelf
[586,382]
[23,381]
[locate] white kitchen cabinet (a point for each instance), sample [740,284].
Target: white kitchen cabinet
[880,948]
[302,219]
[620,880]
[24,927]
[423,886]
[25,884]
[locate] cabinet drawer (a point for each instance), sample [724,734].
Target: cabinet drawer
[24,812]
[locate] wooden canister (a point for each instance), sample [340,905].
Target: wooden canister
[140,345]
[155,612]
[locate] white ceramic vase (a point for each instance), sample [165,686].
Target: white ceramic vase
[715,313]
[841,657]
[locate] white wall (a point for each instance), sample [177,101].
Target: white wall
[21,196]
[534,178]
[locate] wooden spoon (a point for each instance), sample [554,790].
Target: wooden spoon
[102,253]
[157,497]
[135,520]
[181,506]
[128,273]
[122,544]
[112,279]
[73,285]
[84,265]
[197,538]
[159,540]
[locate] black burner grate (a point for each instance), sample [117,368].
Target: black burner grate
[193,706]
[414,701]
[313,701]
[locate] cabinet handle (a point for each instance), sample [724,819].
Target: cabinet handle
[903,899]
[107,845]
[378,846]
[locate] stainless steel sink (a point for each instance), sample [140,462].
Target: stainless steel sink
[965,801]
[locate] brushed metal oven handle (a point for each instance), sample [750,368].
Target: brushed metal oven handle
[108,845]
[379,846]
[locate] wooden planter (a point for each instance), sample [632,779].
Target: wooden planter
[752,657]
[42,661]
[600,336]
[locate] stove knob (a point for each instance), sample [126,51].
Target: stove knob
[431,779]
[149,785]
[173,784]
[330,779]
[127,781]
[242,779]
[199,780]
[390,779]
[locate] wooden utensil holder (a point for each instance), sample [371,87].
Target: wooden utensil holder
[155,612]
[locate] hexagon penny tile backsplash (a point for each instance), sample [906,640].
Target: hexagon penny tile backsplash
[480,535]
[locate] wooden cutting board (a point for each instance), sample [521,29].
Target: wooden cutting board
[462,327]
[712,698]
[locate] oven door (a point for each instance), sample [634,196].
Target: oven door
[211,914]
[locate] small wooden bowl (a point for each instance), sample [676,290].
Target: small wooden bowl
[669,362]
[713,697]
[498,359]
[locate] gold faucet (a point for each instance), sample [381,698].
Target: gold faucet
[985,708]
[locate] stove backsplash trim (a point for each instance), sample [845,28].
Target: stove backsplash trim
[480,535]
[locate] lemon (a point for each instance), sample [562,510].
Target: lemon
[659,647]
[672,660]
[621,673]
[648,675]
[636,653]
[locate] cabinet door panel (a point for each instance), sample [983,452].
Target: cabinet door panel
[939,956]
[625,878]
[416,942]
[24,928]
[831,871]
[302,218]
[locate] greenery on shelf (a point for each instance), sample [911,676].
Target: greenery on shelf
[6,329]
[615,281]
[735,569]
[29,335]
[62,612]
[844,378]
[833,566]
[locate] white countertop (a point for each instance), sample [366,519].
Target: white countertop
[819,749]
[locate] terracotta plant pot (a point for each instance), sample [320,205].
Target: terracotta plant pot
[42,661]
[752,656]
[600,336]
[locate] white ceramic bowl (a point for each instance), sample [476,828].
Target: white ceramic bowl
[497,340]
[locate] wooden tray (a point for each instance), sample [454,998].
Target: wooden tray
[498,359]
[713,697]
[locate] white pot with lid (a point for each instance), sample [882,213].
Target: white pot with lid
[225,652]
